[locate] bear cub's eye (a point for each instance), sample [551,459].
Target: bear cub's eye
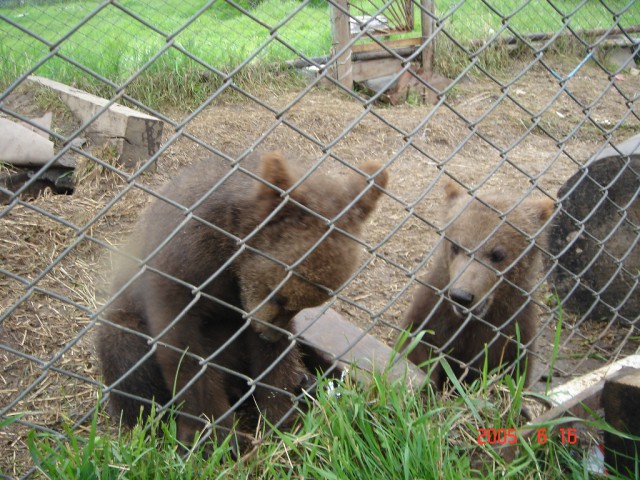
[455,249]
[278,300]
[497,255]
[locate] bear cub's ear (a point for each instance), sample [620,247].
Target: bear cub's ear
[367,203]
[274,169]
[541,209]
[452,190]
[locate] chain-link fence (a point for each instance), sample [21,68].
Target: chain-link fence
[484,19]
[515,128]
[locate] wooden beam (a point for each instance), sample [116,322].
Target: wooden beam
[391,44]
[621,401]
[341,38]
[334,338]
[427,30]
[579,406]
[576,398]
[375,68]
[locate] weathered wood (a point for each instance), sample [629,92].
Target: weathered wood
[621,403]
[336,339]
[341,38]
[578,405]
[390,45]
[403,52]
[427,30]
[375,68]
[136,135]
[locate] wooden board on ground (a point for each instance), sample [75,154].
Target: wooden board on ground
[337,339]
[365,70]
[389,44]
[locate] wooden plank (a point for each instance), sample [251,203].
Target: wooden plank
[335,338]
[578,406]
[575,398]
[621,402]
[391,44]
[375,68]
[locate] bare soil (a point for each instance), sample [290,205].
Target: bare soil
[528,134]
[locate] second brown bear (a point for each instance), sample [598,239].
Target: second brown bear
[478,292]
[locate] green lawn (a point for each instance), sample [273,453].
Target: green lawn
[474,19]
[165,40]
[145,44]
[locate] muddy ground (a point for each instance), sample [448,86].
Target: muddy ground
[530,135]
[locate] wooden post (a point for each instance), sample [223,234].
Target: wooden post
[426,23]
[621,400]
[341,36]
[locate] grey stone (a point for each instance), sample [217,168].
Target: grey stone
[621,57]
[595,236]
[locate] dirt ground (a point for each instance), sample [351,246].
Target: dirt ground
[529,135]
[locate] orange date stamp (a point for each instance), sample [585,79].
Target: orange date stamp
[508,436]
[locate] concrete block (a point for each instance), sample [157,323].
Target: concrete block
[135,135]
[621,57]
[44,122]
[621,402]
[22,146]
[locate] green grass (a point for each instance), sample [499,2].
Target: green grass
[350,430]
[474,20]
[114,45]
[150,453]
[383,430]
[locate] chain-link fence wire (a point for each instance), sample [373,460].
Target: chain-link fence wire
[482,20]
[116,40]
[525,129]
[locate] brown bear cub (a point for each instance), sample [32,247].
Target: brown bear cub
[217,267]
[478,291]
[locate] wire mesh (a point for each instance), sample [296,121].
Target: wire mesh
[534,95]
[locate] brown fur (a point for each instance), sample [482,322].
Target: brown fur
[219,273]
[499,300]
